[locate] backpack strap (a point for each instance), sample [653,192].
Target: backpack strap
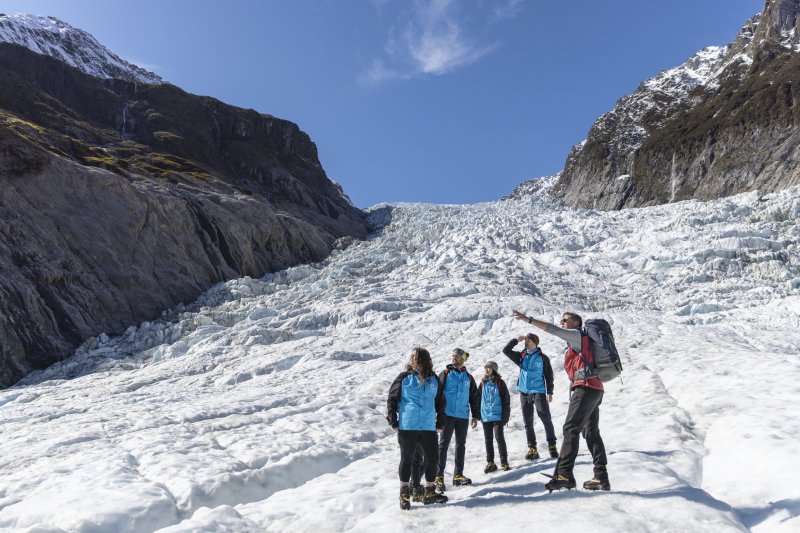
[586,364]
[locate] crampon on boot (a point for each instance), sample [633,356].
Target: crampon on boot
[431,496]
[439,484]
[405,498]
[460,480]
[532,454]
[418,494]
[505,466]
[553,451]
[597,483]
[490,467]
[558,482]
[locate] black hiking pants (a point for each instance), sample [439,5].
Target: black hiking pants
[538,400]
[460,426]
[494,429]
[583,416]
[418,467]
[409,440]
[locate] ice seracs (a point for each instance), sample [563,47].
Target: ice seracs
[261,406]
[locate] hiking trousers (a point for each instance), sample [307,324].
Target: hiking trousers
[409,440]
[418,466]
[460,426]
[494,429]
[538,400]
[583,417]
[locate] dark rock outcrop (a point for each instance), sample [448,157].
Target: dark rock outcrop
[723,123]
[119,200]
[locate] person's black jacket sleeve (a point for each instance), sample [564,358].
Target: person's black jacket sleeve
[474,398]
[440,402]
[548,374]
[480,394]
[512,354]
[505,398]
[393,402]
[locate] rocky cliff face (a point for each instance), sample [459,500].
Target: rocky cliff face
[120,199]
[722,123]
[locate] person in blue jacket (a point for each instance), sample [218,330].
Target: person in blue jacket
[535,386]
[495,411]
[461,395]
[415,411]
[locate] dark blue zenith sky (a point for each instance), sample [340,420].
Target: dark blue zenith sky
[445,101]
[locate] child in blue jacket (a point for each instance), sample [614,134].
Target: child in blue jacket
[495,410]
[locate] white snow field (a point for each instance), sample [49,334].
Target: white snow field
[261,407]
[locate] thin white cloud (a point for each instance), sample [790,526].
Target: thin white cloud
[378,72]
[438,44]
[509,9]
[436,38]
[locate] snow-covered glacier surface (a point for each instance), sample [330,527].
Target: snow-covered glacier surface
[261,406]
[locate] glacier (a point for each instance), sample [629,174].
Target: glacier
[260,407]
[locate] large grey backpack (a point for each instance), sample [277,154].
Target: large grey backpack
[606,356]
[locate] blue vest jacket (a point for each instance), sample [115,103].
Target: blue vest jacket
[417,410]
[491,403]
[456,392]
[531,373]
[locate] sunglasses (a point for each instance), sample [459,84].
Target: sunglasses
[461,353]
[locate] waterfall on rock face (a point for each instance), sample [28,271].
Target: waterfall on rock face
[673,179]
[124,120]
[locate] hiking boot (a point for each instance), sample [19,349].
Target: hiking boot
[405,498]
[553,451]
[461,480]
[490,467]
[532,454]
[558,482]
[431,496]
[505,466]
[597,483]
[439,484]
[418,494]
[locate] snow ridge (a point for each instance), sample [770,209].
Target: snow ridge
[75,47]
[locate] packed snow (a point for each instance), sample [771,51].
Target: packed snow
[261,406]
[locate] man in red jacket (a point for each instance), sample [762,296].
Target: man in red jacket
[583,414]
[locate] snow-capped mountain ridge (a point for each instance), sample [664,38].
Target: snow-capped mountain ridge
[679,135]
[669,90]
[53,37]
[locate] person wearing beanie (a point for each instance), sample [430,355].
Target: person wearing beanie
[535,386]
[495,411]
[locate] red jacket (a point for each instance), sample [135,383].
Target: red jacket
[573,362]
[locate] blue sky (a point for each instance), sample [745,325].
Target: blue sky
[441,101]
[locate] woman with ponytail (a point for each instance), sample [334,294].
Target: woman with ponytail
[415,410]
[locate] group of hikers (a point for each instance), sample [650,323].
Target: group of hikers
[422,406]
